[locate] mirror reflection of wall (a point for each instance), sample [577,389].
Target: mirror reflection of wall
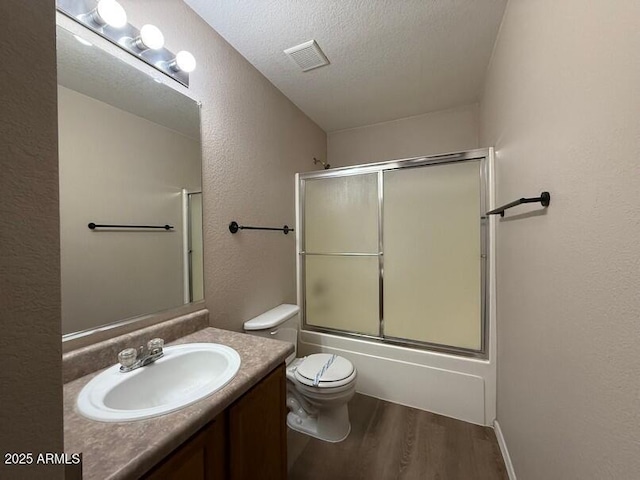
[129,151]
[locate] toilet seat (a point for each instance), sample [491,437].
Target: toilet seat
[338,371]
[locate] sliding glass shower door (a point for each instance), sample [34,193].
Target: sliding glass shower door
[341,253]
[396,252]
[432,258]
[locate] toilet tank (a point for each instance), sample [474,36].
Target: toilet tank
[280,323]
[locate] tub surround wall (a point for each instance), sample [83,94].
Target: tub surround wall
[254,141]
[561,108]
[429,134]
[30,350]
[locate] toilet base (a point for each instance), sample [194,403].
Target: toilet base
[330,425]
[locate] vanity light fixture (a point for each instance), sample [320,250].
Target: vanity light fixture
[109,12]
[108,19]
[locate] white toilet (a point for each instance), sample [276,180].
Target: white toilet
[318,386]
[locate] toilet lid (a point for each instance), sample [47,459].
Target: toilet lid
[337,369]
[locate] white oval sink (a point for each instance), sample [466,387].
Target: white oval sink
[184,375]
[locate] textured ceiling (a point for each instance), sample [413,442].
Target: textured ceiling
[389,58]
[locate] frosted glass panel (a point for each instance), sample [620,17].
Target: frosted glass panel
[341,214]
[342,293]
[432,264]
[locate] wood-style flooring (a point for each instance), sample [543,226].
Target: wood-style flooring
[390,441]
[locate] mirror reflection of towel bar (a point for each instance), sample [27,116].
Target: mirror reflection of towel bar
[93,226]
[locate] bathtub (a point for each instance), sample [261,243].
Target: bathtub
[458,387]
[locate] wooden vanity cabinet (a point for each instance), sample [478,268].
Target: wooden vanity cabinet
[248,441]
[258,431]
[202,457]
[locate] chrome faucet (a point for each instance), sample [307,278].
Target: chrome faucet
[131,359]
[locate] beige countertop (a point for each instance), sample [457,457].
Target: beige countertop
[128,450]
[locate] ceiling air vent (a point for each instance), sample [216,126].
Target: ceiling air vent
[307,55]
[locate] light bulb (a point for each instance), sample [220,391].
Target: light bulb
[110,12]
[184,61]
[150,37]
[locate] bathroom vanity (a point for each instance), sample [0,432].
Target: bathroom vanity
[239,432]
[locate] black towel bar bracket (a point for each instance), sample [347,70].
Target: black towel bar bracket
[544,199]
[93,226]
[234,227]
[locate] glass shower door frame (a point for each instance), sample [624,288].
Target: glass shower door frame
[481,155]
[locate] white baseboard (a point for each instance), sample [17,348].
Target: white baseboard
[505,452]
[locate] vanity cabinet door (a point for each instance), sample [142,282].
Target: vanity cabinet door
[258,431]
[203,457]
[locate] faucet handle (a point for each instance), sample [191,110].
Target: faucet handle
[155,345]
[127,357]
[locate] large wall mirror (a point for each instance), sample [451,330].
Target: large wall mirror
[130,158]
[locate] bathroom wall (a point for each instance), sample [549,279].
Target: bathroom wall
[254,141]
[561,108]
[30,350]
[432,133]
[135,180]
